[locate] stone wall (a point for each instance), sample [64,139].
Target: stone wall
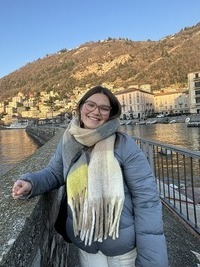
[28,238]
[41,134]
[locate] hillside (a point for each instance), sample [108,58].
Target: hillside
[118,62]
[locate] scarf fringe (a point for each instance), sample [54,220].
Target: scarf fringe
[97,220]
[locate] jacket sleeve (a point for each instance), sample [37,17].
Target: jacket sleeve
[150,239]
[49,178]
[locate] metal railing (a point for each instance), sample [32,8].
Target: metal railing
[177,173]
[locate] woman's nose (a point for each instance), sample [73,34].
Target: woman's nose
[96,111]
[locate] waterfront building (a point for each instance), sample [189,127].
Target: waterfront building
[171,101]
[194,91]
[136,102]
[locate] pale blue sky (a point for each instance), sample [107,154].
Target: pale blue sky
[31,29]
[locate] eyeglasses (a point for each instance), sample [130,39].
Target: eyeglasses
[91,106]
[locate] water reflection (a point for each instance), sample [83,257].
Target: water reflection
[15,146]
[177,134]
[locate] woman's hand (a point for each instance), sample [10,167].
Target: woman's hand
[21,188]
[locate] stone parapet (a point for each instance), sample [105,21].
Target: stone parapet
[41,134]
[28,238]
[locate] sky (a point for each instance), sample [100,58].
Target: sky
[30,30]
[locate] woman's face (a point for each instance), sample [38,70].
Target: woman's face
[95,111]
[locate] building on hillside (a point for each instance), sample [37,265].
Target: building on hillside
[9,109]
[7,119]
[16,100]
[136,103]
[194,92]
[28,102]
[32,113]
[171,102]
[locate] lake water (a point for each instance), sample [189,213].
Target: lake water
[16,145]
[177,134]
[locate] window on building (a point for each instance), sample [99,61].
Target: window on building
[197,84]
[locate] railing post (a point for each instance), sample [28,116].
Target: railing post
[150,156]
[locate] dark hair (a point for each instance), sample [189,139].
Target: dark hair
[114,102]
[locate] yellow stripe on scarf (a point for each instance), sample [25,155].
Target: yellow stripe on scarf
[77,182]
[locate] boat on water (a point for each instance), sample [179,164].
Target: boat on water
[172,121]
[141,123]
[126,122]
[193,124]
[151,122]
[187,120]
[17,125]
[122,122]
[129,122]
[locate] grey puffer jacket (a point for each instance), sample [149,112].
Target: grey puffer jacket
[141,224]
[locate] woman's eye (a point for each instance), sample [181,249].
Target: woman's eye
[105,108]
[91,105]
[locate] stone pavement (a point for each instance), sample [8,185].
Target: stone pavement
[180,242]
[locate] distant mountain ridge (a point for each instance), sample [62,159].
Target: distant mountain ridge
[118,62]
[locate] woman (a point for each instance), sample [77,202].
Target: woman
[114,208]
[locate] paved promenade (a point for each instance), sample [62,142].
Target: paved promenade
[180,242]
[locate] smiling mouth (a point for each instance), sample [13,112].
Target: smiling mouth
[93,119]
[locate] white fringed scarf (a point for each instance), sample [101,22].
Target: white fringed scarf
[94,182]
